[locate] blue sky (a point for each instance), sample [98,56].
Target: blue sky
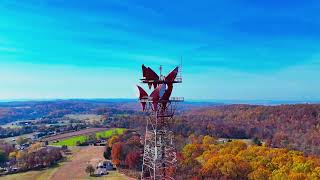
[232,49]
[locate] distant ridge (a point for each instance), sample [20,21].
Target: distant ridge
[190,101]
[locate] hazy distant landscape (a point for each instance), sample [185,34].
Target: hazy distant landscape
[75,124]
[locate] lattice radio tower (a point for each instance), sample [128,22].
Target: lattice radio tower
[159,158]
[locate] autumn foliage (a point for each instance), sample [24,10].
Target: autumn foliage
[295,127]
[133,159]
[237,160]
[126,150]
[116,153]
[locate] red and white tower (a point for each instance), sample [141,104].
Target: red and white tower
[159,158]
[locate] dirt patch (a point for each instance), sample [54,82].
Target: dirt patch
[75,169]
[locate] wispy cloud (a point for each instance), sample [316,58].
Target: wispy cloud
[231,37]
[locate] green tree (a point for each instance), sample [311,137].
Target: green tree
[91,138]
[90,169]
[78,143]
[107,153]
[256,141]
[20,140]
[3,157]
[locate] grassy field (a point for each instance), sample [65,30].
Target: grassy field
[75,169]
[32,175]
[43,174]
[48,174]
[72,141]
[85,117]
[84,132]
[109,133]
[113,175]
[72,168]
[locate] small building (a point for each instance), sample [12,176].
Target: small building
[106,165]
[101,171]
[38,135]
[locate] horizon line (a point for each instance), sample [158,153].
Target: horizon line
[220,101]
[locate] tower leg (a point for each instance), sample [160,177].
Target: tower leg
[159,158]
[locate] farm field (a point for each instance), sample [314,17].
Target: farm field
[31,175]
[72,168]
[108,133]
[72,141]
[75,169]
[113,175]
[85,117]
[43,174]
[71,134]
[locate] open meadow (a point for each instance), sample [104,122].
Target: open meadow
[85,117]
[72,168]
[73,139]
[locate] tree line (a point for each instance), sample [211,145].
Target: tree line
[295,127]
[36,156]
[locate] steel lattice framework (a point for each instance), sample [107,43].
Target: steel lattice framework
[159,158]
